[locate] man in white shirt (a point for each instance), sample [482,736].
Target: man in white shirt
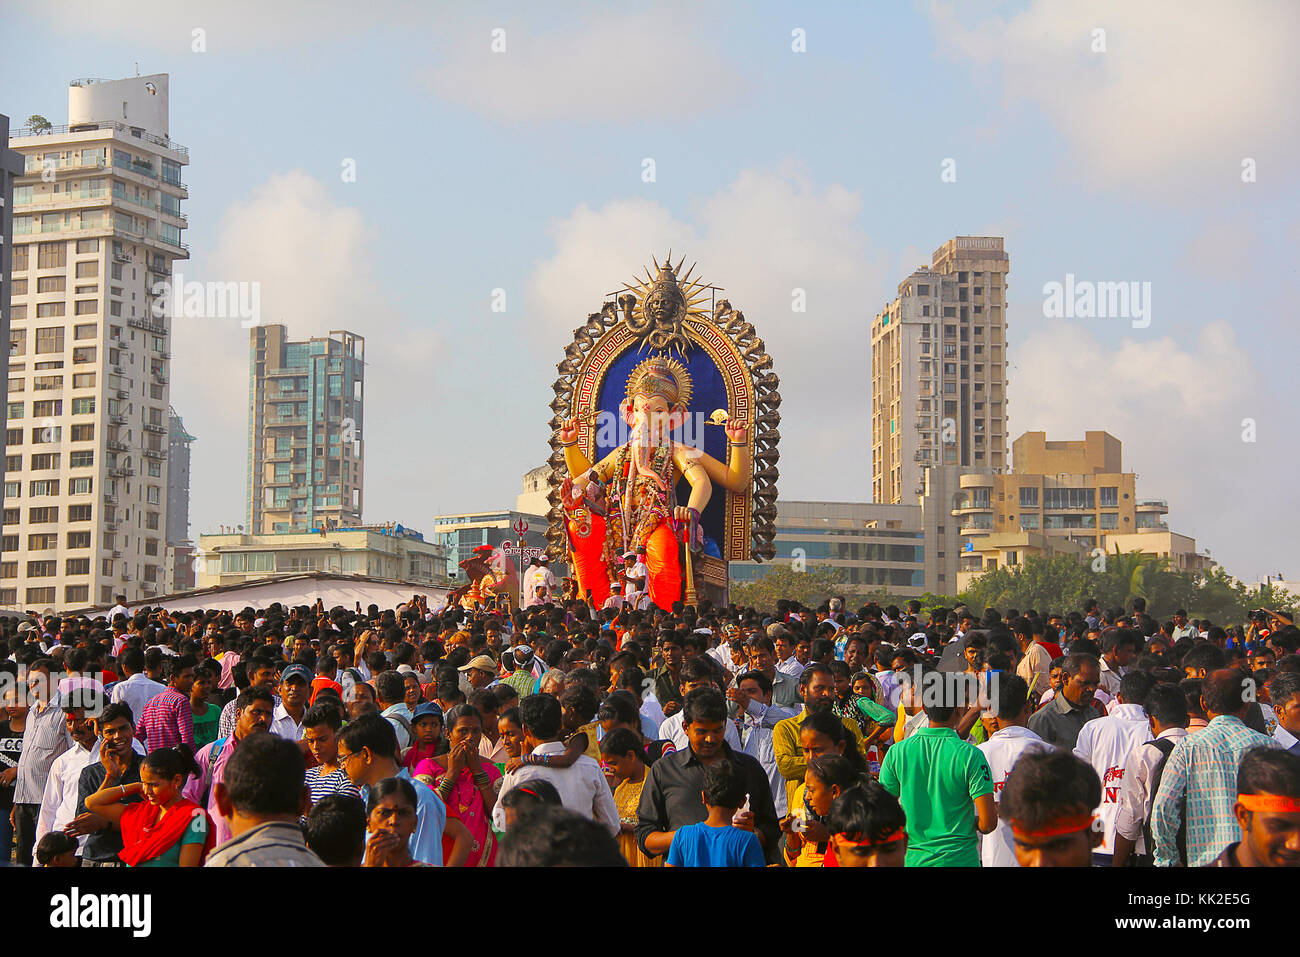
[538,574]
[1166,708]
[1107,747]
[1284,690]
[118,609]
[757,716]
[1182,627]
[634,576]
[582,787]
[59,802]
[138,689]
[1002,750]
[783,640]
[696,673]
[295,689]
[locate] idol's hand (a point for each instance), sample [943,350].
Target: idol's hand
[682,513]
[569,431]
[737,432]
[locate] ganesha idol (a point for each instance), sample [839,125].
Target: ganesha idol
[638,482]
[655,488]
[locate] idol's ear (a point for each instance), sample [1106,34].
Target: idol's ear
[676,417]
[628,413]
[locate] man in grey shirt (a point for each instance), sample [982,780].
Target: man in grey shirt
[1058,722]
[263,795]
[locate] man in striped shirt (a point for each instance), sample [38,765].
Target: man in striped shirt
[168,719]
[1199,781]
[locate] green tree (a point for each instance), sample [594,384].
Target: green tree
[39,124]
[811,587]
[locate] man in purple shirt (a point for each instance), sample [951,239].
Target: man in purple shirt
[168,719]
[253,710]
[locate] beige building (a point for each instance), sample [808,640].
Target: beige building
[1063,498]
[376,551]
[938,369]
[97,223]
[532,498]
[306,407]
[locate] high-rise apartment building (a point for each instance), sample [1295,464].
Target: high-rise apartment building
[938,370]
[306,402]
[180,549]
[97,223]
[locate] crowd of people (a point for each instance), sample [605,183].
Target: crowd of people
[477,734]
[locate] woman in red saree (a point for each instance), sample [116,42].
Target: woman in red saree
[159,828]
[465,782]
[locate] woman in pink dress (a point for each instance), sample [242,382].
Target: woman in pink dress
[465,782]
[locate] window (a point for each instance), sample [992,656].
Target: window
[47,408]
[88,245]
[76,594]
[11,516]
[17,339]
[85,331]
[1109,497]
[151,521]
[79,513]
[151,546]
[42,542]
[45,461]
[20,258]
[83,355]
[83,380]
[81,486]
[41,487]
[40,596]
[77,566]
[50,433]
[81,460]
[151,495]
[13,437]
[51,255]
[51,284]
[83,406]
[16,410]
[8,569]
[51,310]
[1028,522]
[88,270]
[46,383]
[83,433]
[155,469]
[42,516]
[49,339]
[17,385]
[1110,519]
[78,539]
[1028,497]
[981,498]
[1055,498]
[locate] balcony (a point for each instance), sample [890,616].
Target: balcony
[117,419]
[157,328]
[154,454]
[1153,505]
[121,471]
[116,445]
[160,429]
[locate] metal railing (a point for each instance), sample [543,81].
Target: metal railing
[134,132]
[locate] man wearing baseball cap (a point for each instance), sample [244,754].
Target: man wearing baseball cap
[481,671]
[295,689]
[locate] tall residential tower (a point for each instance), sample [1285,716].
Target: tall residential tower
[305,410]
[97,224]
[938,370]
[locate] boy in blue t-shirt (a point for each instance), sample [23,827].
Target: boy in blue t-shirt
[716,842]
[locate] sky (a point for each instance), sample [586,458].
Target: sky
[501,151]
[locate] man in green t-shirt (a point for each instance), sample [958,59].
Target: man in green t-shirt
[943,783]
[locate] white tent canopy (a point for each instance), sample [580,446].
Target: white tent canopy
[290,590]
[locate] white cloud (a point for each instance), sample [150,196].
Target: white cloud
[312,258]
[1184,91]
[762,236]
[1177,407]
[624,67]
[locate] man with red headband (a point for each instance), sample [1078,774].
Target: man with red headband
[1267,811]
[1048,800]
